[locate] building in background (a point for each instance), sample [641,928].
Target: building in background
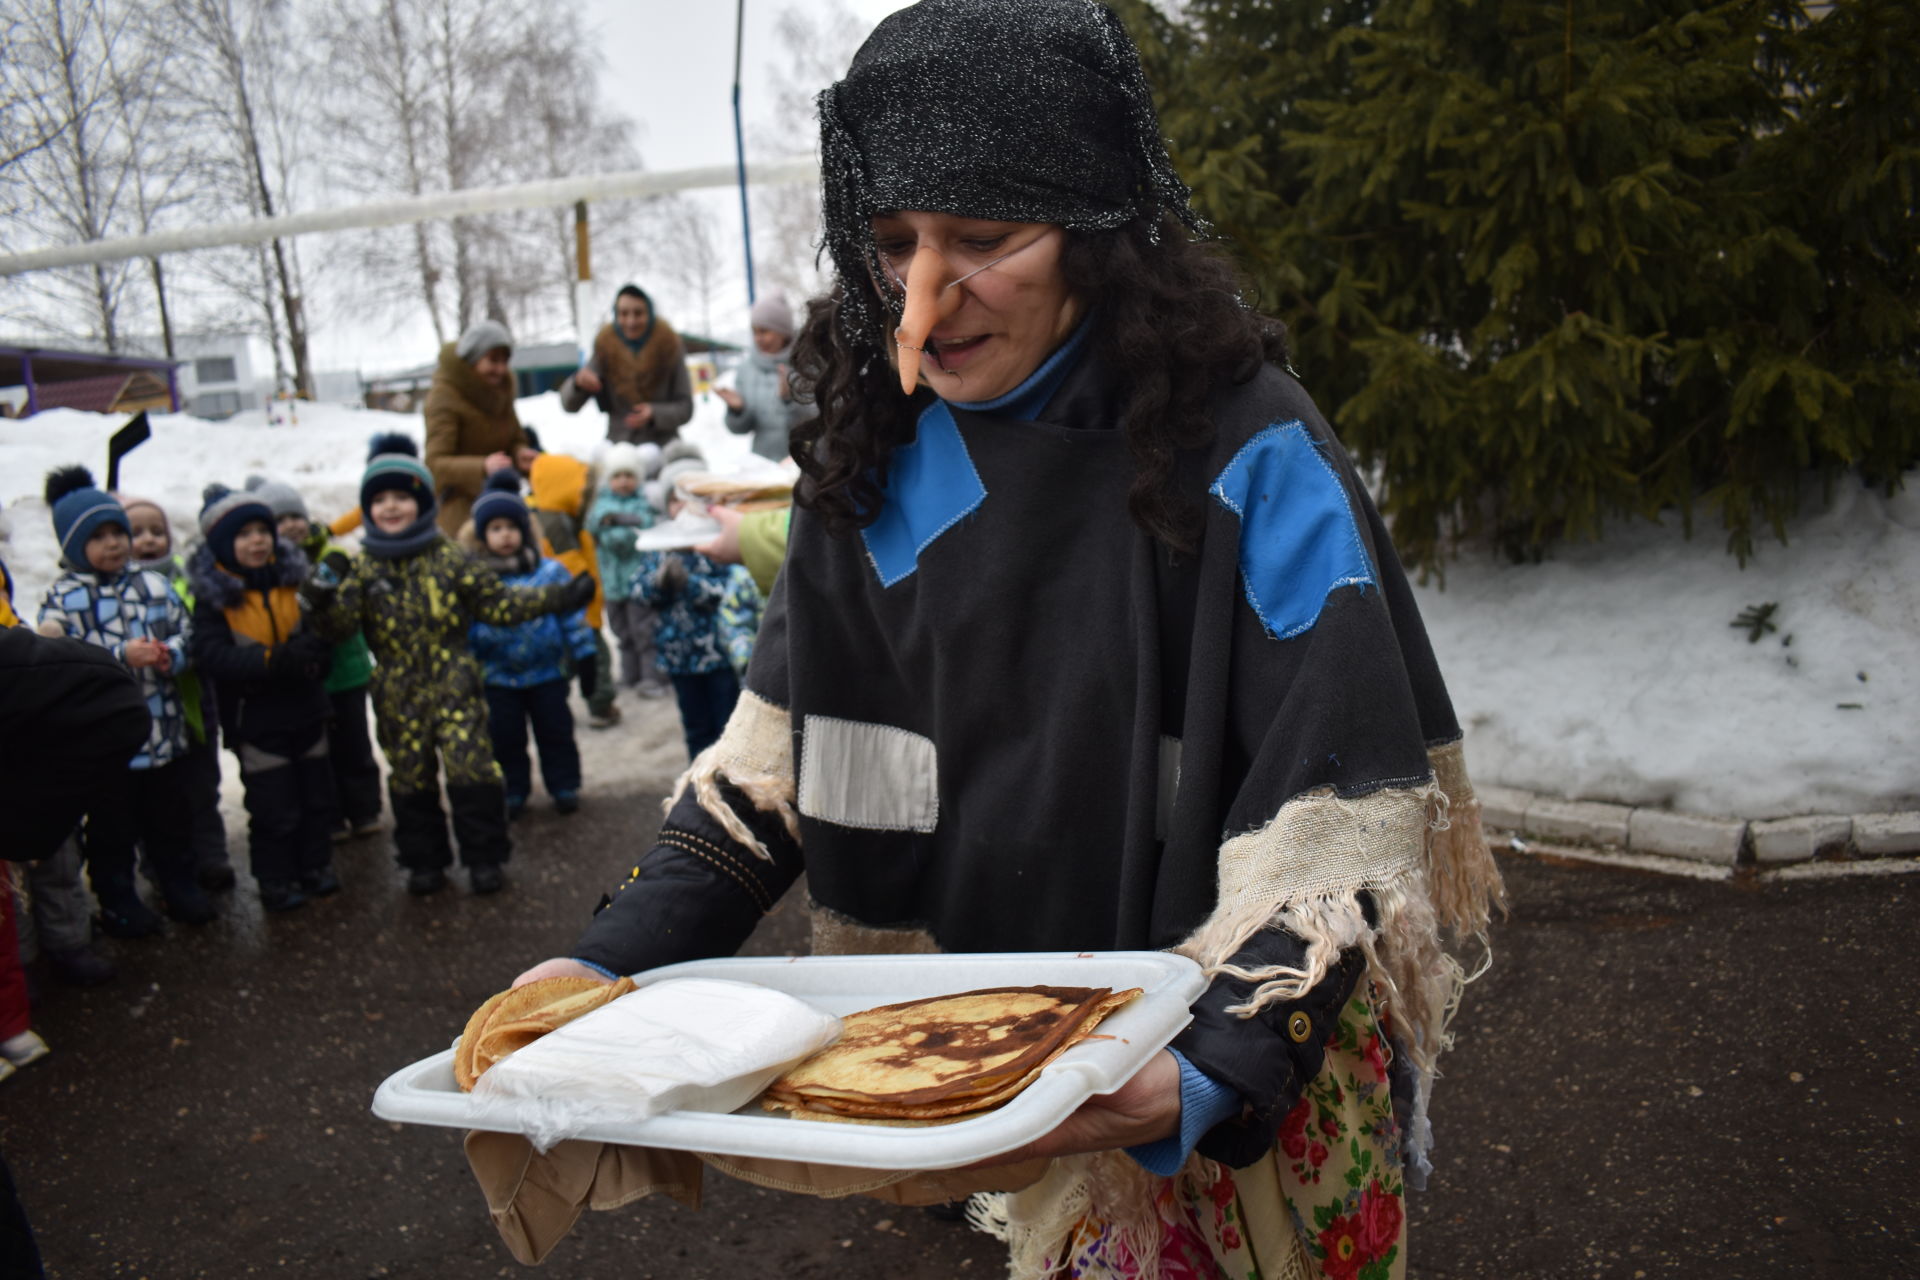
[33,378]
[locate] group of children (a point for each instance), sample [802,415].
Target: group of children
[270,636]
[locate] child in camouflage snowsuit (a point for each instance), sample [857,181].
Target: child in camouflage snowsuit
[414,594]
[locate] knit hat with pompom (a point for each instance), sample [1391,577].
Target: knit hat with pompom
[80,509]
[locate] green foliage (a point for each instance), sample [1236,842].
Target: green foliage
[1545,262]
[1757,620]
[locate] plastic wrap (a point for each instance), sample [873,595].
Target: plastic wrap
[701,1044]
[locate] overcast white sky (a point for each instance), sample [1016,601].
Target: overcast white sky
[670,70]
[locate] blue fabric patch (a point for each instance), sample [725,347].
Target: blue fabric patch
[932,485]
[1298,539]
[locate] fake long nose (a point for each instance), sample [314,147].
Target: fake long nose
[929,301]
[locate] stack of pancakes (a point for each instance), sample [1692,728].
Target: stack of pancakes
[516,1018]
[942,1058]
[761,493]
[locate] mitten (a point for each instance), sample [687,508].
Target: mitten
[576,594]
[672,577]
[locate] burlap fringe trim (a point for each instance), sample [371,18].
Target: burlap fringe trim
[1035,1223]
[1420,855]
[755,754]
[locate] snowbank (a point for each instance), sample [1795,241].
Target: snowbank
[1608,673]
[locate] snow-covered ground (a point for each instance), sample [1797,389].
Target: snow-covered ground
[1610,672]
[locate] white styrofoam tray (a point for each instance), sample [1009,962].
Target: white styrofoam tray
[425,1093]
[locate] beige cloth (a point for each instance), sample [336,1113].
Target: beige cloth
[535,1199]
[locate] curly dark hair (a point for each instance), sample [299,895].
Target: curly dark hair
[1169,320]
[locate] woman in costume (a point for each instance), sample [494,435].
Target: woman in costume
[637,373]
[1089,638]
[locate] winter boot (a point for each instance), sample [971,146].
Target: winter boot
[480,824]
[122,913]
[420,831]
[281,895]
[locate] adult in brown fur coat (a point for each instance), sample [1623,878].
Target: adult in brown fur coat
[472,430]
[637,373]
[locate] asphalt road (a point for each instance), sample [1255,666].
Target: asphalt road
[1657,1078]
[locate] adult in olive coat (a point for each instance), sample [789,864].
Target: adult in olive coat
[472,430]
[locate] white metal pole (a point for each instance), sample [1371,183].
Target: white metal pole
[633,184]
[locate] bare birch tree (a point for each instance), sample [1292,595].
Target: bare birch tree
[68,170]
[240,75]
[815,44]
[379,120]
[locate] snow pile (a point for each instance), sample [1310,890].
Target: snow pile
[1609,673]
[1612,672]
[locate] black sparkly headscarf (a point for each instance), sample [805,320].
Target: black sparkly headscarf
[1010,110]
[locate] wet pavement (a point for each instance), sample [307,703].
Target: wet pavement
[1659,1077]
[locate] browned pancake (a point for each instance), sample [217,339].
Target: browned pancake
[944,1056]
[515,1018]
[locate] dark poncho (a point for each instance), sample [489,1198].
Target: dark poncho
[1003,718]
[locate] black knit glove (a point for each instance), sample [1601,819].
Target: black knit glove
[588,671]
[576,594]
[303,657]
[317,592]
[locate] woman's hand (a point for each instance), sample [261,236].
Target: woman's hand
[725,547]
[559,967]
[1144,1109]
[587,380]
[730,398]
[497,462]
[639,416]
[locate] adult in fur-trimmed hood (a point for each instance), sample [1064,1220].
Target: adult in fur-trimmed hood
[1090,638]
[269,670]
[637,373]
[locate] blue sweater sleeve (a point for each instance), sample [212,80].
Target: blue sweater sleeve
[1204,1103]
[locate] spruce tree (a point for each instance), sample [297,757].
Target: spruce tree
[1546,262]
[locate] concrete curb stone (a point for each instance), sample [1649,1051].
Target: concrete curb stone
[1584,820]
[1878,835]
[1723,841]
[1682,835]
[1503,807]
[1800,839]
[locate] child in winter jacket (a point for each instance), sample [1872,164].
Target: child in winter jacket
[152,536]
[686,589]
[269,667]
[619,514]
[414,593]
[134,615]
[558,488]
[356,773]
[526,665]
[58,925]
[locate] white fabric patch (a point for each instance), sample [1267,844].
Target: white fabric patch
[1169,787]
[871,776]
